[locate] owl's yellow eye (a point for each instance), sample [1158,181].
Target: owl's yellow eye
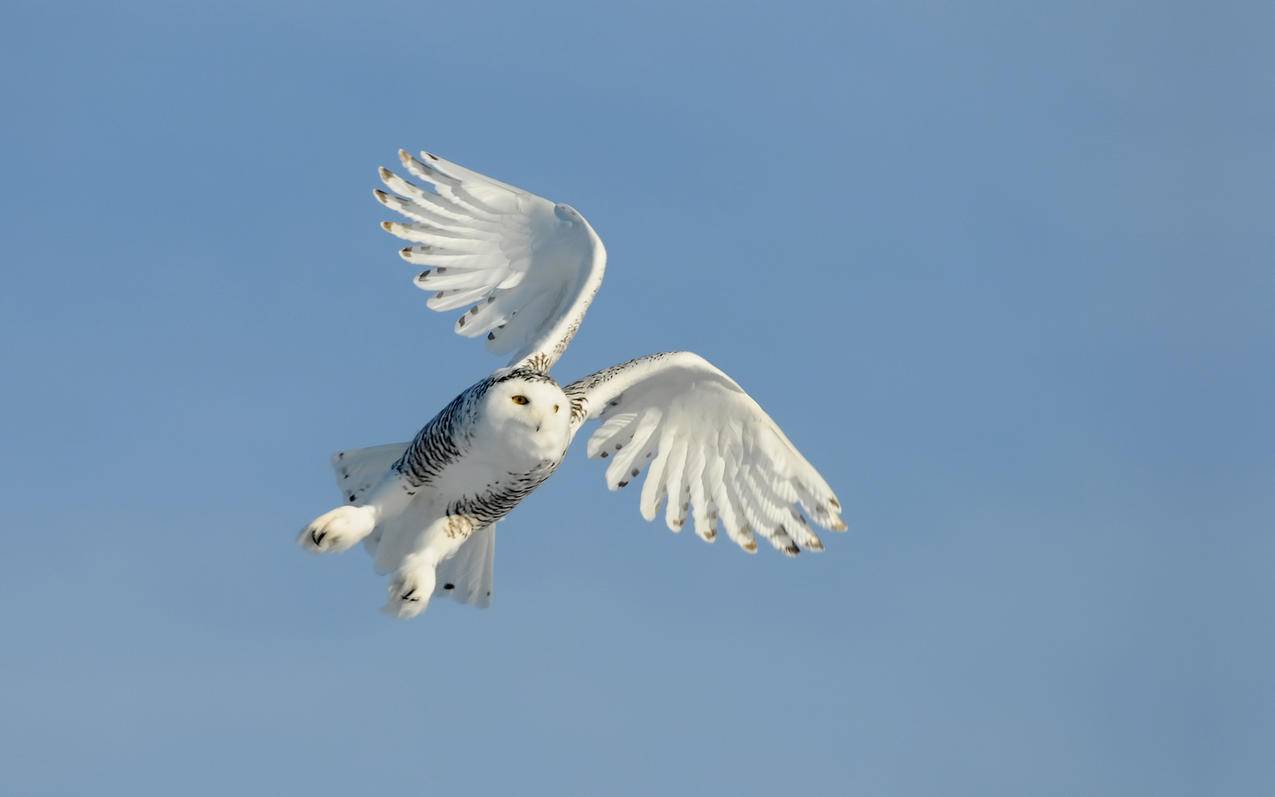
[555,408]
[520,399]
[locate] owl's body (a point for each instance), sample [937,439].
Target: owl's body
[466,469]
[527,270]
[492,444]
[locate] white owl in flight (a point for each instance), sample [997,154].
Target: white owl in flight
[525,270]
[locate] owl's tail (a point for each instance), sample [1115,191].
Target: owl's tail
[466,576]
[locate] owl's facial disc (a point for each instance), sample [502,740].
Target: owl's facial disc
[537,406]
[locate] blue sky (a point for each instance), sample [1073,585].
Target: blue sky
[1002,271]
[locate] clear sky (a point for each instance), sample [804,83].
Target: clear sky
[1003,271]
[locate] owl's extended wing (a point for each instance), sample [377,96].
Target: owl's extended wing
[708,449]
[524,269]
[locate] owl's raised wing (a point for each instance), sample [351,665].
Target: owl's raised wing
[708,450]
[524,269]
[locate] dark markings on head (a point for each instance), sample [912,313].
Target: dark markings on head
[527,374]
[449,586]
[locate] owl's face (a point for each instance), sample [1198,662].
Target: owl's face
[535,408]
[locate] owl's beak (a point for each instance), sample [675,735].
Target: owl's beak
[537,418]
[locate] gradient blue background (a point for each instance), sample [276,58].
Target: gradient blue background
[1002,271]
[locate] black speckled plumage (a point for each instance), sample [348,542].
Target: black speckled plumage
[579,390]
[448,437]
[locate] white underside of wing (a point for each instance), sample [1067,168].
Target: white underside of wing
[358,470]
[711,456]
[522,269]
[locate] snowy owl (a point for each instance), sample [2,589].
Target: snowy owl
[525,271]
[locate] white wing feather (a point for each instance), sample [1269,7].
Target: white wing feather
[524,268]
[708,449]
[358,470]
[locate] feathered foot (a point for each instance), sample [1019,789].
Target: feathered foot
[411,588]
[338,530]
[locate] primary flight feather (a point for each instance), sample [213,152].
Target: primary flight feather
[523,270]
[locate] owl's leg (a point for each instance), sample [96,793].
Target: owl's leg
[344,527]
[413,583]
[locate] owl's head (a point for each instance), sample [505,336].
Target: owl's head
[532,401]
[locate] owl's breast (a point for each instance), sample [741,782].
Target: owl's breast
[499,469]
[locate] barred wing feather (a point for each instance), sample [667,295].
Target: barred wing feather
[711,454]
[523,268]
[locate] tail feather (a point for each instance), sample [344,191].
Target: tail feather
[466,577]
